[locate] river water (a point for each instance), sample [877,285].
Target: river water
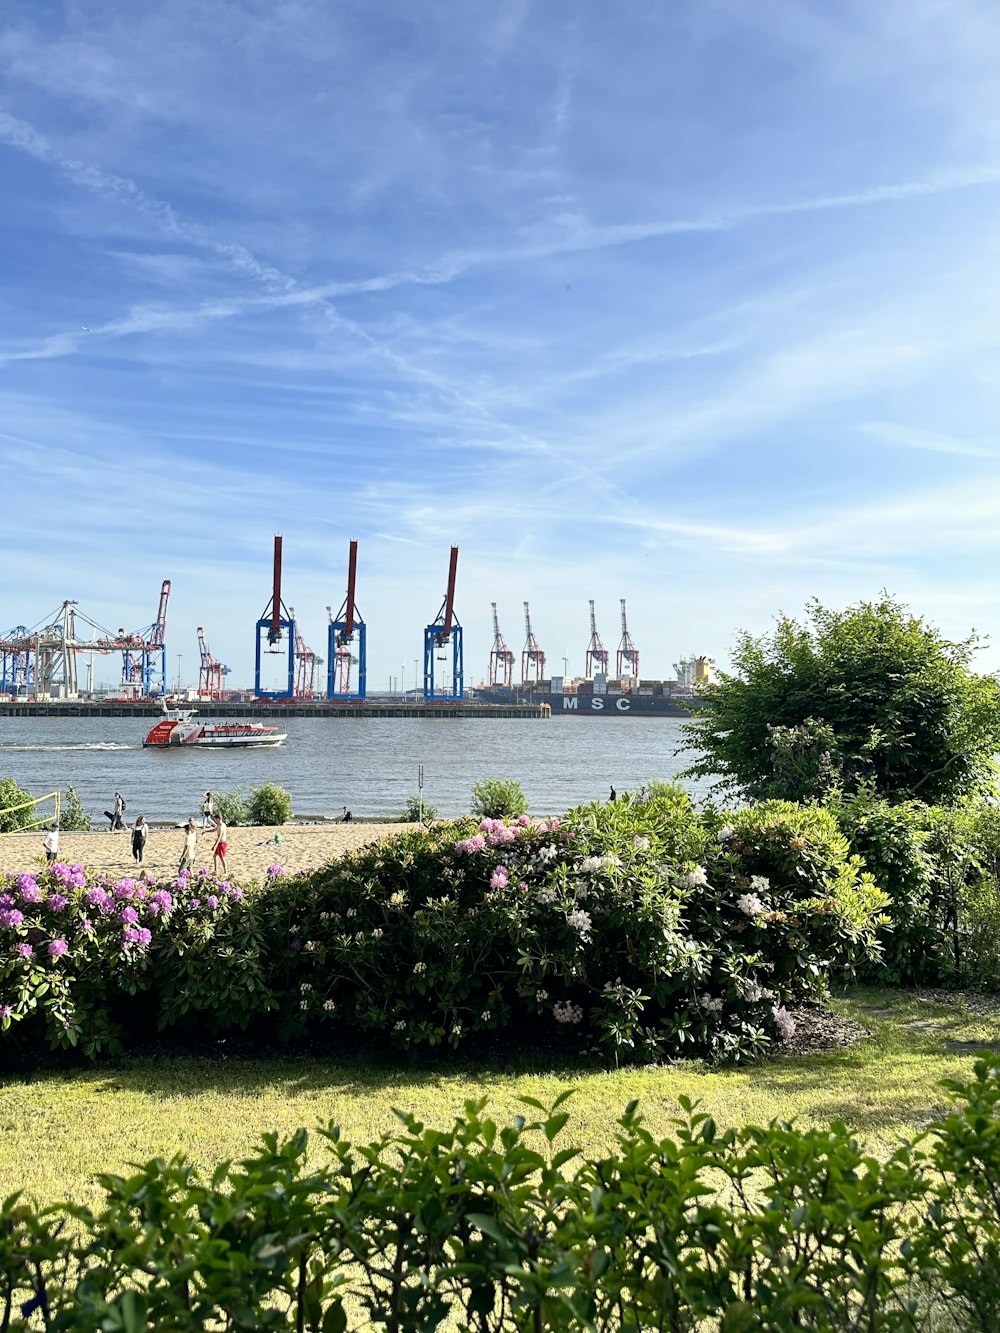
[368,764]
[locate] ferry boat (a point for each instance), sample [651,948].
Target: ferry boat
[176,728]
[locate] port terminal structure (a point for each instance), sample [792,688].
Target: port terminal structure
[347,629]
[43,660]
[442,633]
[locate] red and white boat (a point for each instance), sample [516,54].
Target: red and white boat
[177,728]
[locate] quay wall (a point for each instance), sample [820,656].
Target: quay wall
[271,708]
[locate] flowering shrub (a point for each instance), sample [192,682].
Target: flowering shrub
[77,948]
[642,927]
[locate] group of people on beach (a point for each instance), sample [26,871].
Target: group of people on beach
[140,831]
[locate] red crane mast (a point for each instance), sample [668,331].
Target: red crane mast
[501,658]
[306,662]
[210,670]
[532,657]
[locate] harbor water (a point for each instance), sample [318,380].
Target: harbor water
[367,764]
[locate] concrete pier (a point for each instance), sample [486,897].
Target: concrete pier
[255,708]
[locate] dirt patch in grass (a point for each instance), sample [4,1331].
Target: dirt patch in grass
[821,1030]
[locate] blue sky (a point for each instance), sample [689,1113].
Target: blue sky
[692,303]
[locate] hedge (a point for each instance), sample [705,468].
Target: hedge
[497,1228]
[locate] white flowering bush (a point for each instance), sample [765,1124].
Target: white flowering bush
[644,927]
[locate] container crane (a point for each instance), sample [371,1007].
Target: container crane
[343,631]
[501,658]
[144,654]
[58,643]
[307,662]
[597,654]
[17,666]
[628,653]
[444,632]
[274,628]
[210,671]
[532,657]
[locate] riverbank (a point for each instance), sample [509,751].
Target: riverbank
[251,850]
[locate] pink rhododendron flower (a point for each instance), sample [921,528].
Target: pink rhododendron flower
[57,948]
[474,844]
[25,951]
[499,879]
[10,916]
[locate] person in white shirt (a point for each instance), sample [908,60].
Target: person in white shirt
[51,843]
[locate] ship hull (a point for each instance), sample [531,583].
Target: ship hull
[592,705]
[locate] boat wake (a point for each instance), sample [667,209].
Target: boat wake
[7,746]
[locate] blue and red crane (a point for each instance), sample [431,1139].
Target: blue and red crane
[306,663]
[144,654]
[443,633]
[341,636]
[17,662]
[275,628]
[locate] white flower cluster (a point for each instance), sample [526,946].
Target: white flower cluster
[324,916]
[486,1015]
[760,883]
[541,996]
[419,967]
[400,1026]
[457,1030]
[591,864]
[548,853]
[397,899]
[726,833]
[305,987]
[752,992]
[377,933]
[329,1006]
[750,904]
[694,878]
[709,1004]
[546,896]
[580,921]
[785,1022]
[311,946]
[566,1012]
[640,843]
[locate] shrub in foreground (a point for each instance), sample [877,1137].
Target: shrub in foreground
[482,1227]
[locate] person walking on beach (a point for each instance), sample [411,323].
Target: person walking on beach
[51,843]
[139,832]
[613,796]
[221,845]
[117,822]
[346,817]
[190,846]
[208,811]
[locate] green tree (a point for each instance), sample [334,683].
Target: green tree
[72,816]
[870,698]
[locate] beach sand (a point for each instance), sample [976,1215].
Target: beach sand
[251,850]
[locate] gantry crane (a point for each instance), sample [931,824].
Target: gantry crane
[501,658]
[17,663]
[307,662]
[274,628]
[628,653]
[57,645]
[341,635]
[532,657]
[444,632]
[144,654]
[597,654]
[210,671]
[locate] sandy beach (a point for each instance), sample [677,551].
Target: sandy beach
[251,850]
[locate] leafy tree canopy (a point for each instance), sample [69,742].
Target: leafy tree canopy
[867,698]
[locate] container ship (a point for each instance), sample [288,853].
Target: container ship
[600,696]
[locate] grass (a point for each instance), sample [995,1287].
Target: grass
[60,1129]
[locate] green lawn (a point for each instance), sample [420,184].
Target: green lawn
[60,1129]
